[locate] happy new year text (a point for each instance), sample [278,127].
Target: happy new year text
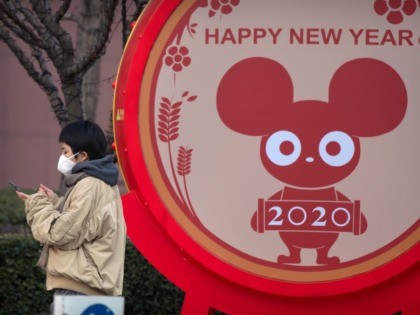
[309,36]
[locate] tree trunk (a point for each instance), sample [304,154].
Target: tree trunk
[72,97]
[88,29]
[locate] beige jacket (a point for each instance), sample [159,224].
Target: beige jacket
[87,239]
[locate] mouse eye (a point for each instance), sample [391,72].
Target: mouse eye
[336,148]
[283,148]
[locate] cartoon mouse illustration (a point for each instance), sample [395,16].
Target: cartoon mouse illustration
[310,145]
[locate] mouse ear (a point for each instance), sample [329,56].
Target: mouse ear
[369,95]
[252,95]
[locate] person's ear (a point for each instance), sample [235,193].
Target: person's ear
[83,156]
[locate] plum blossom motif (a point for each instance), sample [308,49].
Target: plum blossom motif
[224,6]
[177,57]
[394,9]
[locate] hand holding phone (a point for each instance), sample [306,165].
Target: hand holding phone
[14,186]
[19,192]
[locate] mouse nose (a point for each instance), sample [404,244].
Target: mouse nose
[309,159]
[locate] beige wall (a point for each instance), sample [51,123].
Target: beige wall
[29,148]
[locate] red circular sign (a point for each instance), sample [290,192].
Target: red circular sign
[270,152]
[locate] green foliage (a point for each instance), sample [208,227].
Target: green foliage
[12,209]
[22,285]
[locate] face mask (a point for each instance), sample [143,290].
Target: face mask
[65,165]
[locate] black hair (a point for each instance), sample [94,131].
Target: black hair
[85,136]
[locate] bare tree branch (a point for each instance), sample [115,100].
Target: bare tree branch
[126,22]
[61,61]
[26,20]
[44,78]
[140,5]
[15,20]
[51,44]
[34,27]
[50,89]
[98,47]
[62,10]
[21,56]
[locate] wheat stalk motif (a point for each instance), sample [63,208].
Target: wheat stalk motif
[168,131]
[168,120]
[184,168]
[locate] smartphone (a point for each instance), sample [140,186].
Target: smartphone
[14,186]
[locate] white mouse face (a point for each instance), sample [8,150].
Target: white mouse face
[307,157]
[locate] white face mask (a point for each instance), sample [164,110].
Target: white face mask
[65,165]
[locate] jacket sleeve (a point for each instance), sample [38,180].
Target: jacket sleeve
[65,229]
[56,200]
[40,213]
